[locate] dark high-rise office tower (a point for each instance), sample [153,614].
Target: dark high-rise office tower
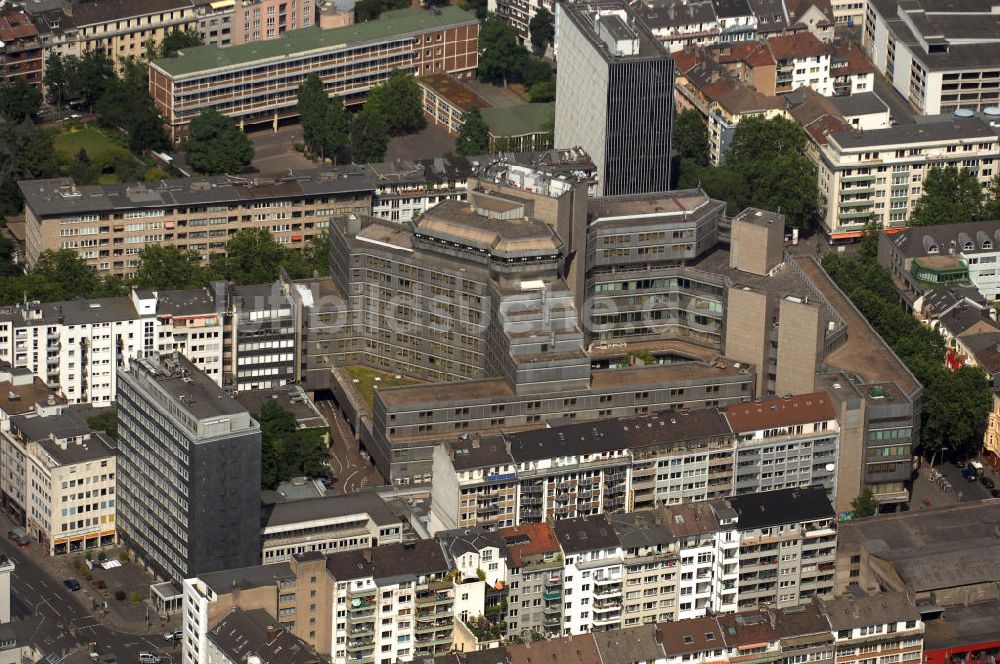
[188,470]
[614,96]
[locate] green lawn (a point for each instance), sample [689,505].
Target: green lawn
[100,147]
[367,379]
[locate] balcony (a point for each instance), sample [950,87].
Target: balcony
[551,595]
[433,599]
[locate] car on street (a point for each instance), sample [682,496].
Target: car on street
[969,474]
[72,584]
[148,658]
[986,482]
[19,536]
[172,634]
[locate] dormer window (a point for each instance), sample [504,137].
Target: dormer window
[933,249]
[968,246]
[987,244]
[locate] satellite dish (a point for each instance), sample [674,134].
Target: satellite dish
[356,602]
[830,467]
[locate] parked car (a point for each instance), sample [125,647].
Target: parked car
[969,474]
[995,493]
[148,658]
[986,482]
[172,634]
[72,584]
[19,536]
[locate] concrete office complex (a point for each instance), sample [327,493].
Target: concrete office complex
[938,57]
[239,81]
[877,175]
[108,225]
[626,464]
[614,96]
[189,470]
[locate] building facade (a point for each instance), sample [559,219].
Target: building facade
[614,96]
[109,225]
[238,82]
[201,513]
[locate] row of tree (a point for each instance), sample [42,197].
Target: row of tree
[956,404]
[765,166]
[393,108]
[252,256]
[953,195]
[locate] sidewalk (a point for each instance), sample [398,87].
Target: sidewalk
[928,492]
[122,616]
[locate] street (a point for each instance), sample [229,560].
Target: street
[353,470]
[64,613]
[965,490]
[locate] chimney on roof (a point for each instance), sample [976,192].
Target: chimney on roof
[366,555]
[272,633]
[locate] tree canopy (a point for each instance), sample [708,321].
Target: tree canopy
[176,40]
[286,450]
[950,195]
[168,267]
[474,135]
[215,145]
[542,29]
[19,101]
[324,120]
[864,504]
[501,57]
[765,166]
[26,153]
[690,137]
[399,102]
[369,138]
[956,404]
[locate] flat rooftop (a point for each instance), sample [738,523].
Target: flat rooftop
[612,211]
[454,91]
[520,120]
[290,397]
[328,507]
[245,578]
[962,626]
[931,130]
[585,16]
[391,24]
[188,386]
[864,353]
[62,196]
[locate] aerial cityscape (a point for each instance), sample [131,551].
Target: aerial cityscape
[500,331]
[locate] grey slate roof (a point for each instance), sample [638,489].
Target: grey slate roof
[586,533]
[772,508]
[240,634]
[862,103]
[370,503]
[936,128]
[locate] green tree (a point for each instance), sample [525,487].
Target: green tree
[106,420]
[56,78]
[26,153]
[542,29]
[542,92]
[501,57]
[770,156]
[478,6]
[533,71]
[991,200]
[215,145]
[474,135]
[367,10]
[369,138]
[690,137]
[399,102]
[177,40]
[287,451]
[89,75]
[82,169]
[167,267]
[864,504]
[324,120]
[317,255]
[19,101]
[950,195]
[252,256]
[67,276]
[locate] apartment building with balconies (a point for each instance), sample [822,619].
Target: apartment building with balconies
[239,81]
[887,627]
[651,568]
[535,573]
[593,575]
[785,442]
[109,225]
[877,175]
[788,545]
[22,55]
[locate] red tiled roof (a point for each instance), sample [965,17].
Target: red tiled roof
[857,61]
[798,45]
[685,60]
[754,54]
[542,539]
[16,25]
[827,124]
[780,411]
